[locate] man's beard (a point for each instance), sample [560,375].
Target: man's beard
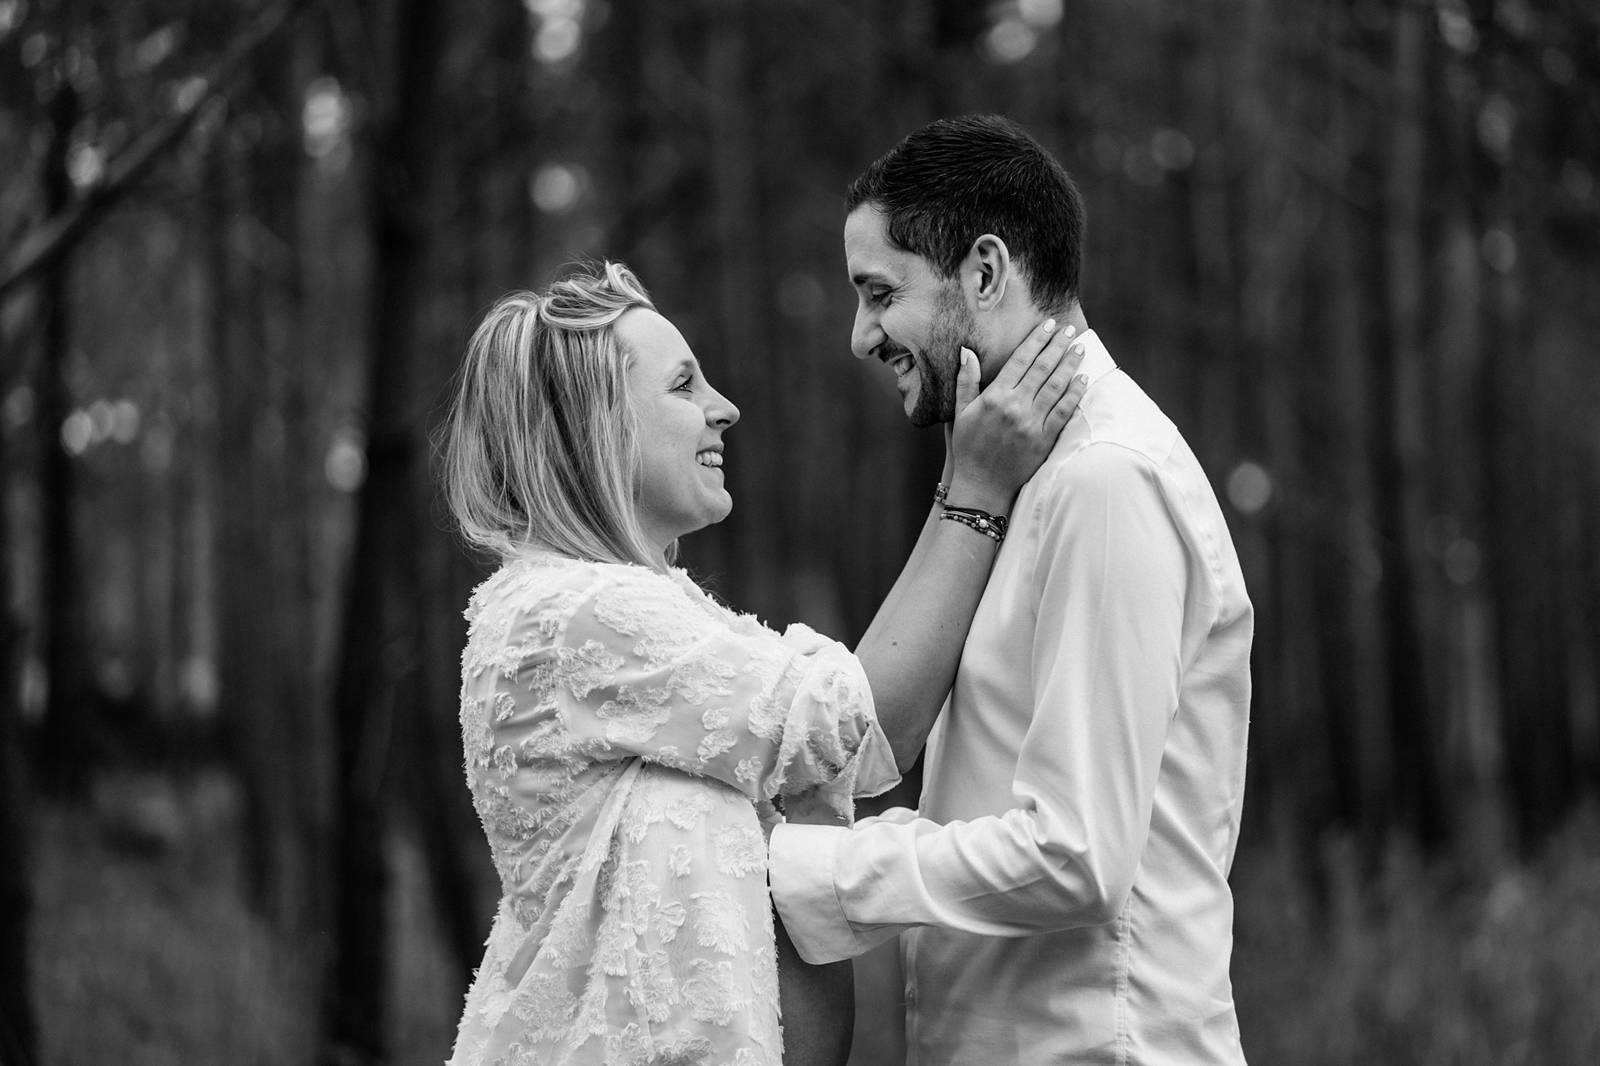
[941,358]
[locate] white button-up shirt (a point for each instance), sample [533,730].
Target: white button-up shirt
[1063,891]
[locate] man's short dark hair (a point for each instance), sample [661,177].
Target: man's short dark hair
[958,178]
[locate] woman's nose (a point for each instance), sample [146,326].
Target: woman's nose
[722,412]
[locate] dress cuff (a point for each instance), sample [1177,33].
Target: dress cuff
[874,771]
[800,860]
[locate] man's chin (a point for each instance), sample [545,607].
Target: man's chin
[923,419]
[921,410]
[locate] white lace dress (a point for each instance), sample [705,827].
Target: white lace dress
[621,730]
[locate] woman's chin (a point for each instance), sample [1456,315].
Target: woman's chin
[712,515]
[719,509]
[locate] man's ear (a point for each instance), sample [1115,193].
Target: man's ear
[986,271]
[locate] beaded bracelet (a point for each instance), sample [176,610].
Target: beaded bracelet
[992,526]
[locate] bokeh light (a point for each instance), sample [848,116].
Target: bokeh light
[559,28]
[77,432]
[325,123]
[12,13]
[345,464]
[556,187]
[1499,250]
[1249,487]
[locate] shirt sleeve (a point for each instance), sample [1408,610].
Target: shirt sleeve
[640,669]
[1107,661]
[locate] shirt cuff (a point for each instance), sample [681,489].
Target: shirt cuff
[800,860]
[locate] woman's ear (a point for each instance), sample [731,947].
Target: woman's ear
[986,271]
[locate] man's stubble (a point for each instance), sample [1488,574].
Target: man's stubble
[951,330]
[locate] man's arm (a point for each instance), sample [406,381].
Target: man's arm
[1106,658]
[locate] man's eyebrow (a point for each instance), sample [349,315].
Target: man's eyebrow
[867,277]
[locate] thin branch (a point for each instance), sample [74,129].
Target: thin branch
[55,237]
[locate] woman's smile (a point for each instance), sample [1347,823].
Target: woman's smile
[679,416]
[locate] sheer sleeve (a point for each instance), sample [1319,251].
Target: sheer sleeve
[638,666]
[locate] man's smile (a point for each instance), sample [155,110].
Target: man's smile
[899,360]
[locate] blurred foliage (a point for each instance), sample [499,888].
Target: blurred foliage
[1427,963]
[1419,967]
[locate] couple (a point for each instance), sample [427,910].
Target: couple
[1073,615]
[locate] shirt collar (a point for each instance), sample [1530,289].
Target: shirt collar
[1097,361]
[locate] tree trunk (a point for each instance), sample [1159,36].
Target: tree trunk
[440,804]
[379,642]
[754,538]
[65,752]
[1397,402]
[19,1037]
[244,668]
[302,904]
[262,577]
[1522,570]
[1346,568]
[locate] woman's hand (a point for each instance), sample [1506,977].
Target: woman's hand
[1002,434]
[811,807]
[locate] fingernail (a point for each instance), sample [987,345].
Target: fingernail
[1071,330]
[1082,379]
[1077,349]
[1049,324]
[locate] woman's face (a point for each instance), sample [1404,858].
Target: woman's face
[681,421]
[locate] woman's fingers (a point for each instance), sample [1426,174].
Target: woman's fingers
[1059,363]
[1002,435]
[1046,362]
[1025,354]
[1067,405]
[967,374]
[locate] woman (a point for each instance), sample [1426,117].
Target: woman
[627,736]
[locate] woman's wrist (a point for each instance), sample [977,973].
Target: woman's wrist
[978,496]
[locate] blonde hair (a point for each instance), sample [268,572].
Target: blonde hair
[541,445]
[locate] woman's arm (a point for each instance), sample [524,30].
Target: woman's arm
[999,438]
[910,651]
[633,666]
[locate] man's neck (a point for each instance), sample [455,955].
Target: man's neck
[1017,328]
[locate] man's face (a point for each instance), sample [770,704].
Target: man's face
[907,316]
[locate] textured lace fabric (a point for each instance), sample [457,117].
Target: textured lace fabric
[624,738]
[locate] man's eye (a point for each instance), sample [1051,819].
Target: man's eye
[881,297]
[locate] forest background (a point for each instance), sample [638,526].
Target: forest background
[1351,246]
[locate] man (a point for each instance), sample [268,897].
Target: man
[1061,895]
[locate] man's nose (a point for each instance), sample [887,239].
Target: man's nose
[865,334]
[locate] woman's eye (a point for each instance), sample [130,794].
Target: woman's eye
[684,385]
